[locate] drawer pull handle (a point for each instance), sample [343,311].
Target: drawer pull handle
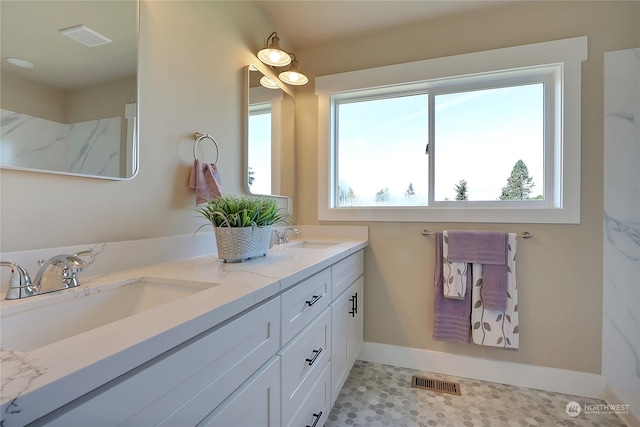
[317,416]
[314,299]
[354,305]
[316,353]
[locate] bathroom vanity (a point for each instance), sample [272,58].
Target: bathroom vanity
[265,342]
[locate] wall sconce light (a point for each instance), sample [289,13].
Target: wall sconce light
[272,54]
[293,75]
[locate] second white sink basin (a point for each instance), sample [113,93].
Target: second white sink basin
[82,309]
[310,244]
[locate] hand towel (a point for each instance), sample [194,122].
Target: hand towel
[451,318]
[494,286]
[205,180]
[488,248]
[456,274]
[485,247]
[496,328]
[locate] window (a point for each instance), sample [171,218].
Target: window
[487,144]
[484,146]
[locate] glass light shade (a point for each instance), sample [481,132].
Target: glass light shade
[273,55]
[268,83]
[293,76]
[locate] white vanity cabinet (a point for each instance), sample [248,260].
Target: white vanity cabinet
[280,363]
[182,386]
[346,319]
[307,361]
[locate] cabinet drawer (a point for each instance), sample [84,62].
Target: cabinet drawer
[343,273]
[255,404]
[314,411]
[304,302]
[303,361]
[184,385]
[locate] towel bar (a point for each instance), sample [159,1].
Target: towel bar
[199,137]
[523,235]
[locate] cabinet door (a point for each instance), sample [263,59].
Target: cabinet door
[354,321]
[346,334]
[255,404]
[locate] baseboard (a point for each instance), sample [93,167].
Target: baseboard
[625,397]
[539,377]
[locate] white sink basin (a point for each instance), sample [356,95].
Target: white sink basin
[309,244]
[73,312]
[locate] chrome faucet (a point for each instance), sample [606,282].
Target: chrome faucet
[281,236]
[56,274]
[59,273]
[22,287]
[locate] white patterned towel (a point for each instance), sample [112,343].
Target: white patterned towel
[493,327]
[455,274]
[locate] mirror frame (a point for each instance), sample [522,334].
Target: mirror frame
[136,128]
[245,110]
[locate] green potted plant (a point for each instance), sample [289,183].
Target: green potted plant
[242,225]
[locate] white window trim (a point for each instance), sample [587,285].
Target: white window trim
[567,128]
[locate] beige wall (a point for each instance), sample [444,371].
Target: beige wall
[23,96]
[112,96]
[191,59]
[560,269]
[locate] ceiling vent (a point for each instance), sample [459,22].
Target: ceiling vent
[85,35]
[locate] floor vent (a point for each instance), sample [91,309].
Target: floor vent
[435,385]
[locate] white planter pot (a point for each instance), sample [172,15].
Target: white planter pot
[239,244]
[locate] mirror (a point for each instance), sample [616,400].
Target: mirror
[74,110]
[269,126]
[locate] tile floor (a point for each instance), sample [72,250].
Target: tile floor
[381,395]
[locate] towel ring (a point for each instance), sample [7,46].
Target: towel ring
[199,137]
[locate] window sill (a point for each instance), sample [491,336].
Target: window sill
[528,215]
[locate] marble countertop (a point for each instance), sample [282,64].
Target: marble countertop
[37,382]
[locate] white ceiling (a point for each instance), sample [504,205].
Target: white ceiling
[307,23]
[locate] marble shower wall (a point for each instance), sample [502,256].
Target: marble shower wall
[91,147]
[621,299]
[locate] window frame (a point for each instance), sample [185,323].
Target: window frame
[560,60]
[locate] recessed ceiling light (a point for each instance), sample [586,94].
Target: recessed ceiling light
[85,35]
[19,62]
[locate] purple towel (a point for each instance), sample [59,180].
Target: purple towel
[205,180]
[451,317]
[494,287]
[484,247]
[488,248]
